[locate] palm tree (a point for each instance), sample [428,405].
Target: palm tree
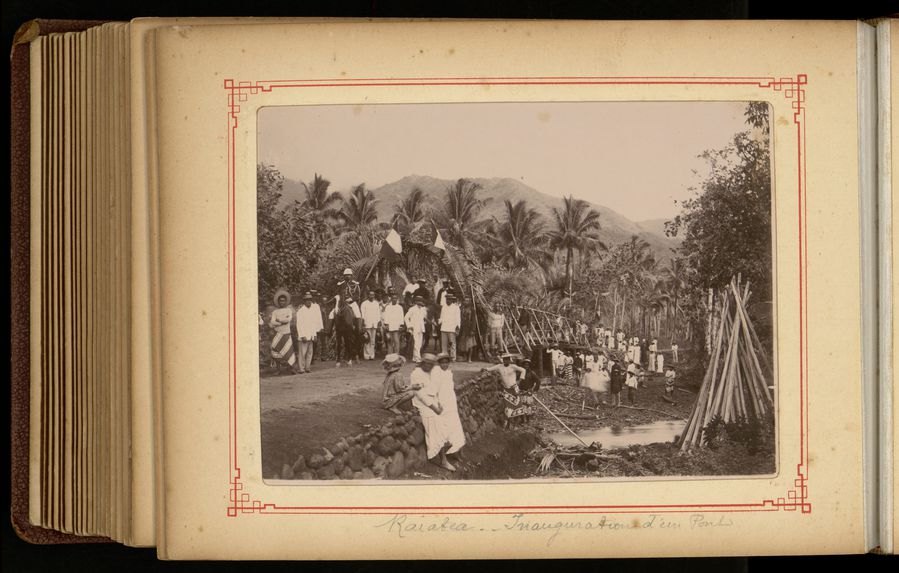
[577,230]
[522,241]
[410,210]
[460,213]
[358,210]
[640,257]
[641,274]
[675,277]
[318,199]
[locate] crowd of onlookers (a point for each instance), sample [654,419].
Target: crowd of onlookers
[351,326]
[359,323]
[615,364]
[404,325]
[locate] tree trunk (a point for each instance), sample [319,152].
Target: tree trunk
[674,321]
[568,275]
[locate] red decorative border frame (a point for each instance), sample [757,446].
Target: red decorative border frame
[792,88]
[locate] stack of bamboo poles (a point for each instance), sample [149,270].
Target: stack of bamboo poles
[736,381]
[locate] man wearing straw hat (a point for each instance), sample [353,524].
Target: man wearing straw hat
[346,324]
[415,324]
[308,324]
[323,346]
[630,381]
[450,323]
[653,352]
[282,343]
[528,386]
[392,317]
[317,341]
[397,391]
[371,318]
[495,323]
[409,289]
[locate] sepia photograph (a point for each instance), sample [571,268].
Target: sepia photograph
[516,291]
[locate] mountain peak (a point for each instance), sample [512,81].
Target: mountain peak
[616,228]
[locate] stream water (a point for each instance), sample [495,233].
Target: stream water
[623,436]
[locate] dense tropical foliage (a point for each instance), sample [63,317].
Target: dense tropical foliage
[555,261]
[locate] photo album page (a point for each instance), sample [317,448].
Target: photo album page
[507,289]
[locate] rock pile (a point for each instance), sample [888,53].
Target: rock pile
[398,447]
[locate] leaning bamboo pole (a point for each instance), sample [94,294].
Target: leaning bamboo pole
[756,401]
[549,321]
[728,379]
[524,337]
[744,321]
[477,325]
[540,338]
[691,434]
[735,384]
[714,364]
[535,325]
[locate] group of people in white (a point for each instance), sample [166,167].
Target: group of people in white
[347,328]
[638,349]
[431,390]
[387,315]
[602,373]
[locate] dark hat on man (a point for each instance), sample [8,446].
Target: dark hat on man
[418,299]
[307,296]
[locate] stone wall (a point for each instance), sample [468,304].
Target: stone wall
[398,447]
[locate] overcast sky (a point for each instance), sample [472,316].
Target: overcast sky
[636,158]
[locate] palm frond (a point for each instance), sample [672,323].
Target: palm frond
[546,462]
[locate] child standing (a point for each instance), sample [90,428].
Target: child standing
[616,383]
[631,383]
[577,366]
[669,381]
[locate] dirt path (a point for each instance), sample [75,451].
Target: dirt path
[304,412]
